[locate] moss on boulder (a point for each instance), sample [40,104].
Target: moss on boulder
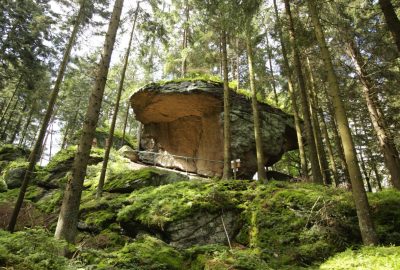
[367,258]
[130,180]
[146,252]
[9,152]
[33,249]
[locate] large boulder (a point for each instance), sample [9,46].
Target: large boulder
[183,128]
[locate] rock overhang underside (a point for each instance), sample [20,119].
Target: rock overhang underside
[183,128]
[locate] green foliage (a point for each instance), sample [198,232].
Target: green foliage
[32,249]
[103,132]
[367,258]
[146,252]
[157,206]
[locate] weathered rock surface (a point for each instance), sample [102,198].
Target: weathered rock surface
[127,152]
[183,128]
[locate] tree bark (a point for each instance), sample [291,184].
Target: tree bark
[3,135]
[227,110]
[332,162]
[272,73]
[38,144]
[360,198]
[116,109]
[323,162]
[27,124]
[17,126]
[185,39]
[10,101]
[68,217]
[289,74]
[316,172]
[385,138]
[392,20]
[256,114]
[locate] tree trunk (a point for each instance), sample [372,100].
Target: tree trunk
[338,142]
[3,135]
[185,39]
[38,144]
[392,20]
[10,101]
[272,73]
[289,74]
[360,198]
[237,64]
[227,110]
[116,109]
[316,172]
[323,162]
[28,122]
[68,218]
[329,147]
[256,115]
[67,129]
[385,139]
[17,126]
[125,121]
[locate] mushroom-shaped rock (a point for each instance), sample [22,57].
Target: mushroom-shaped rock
[183,128]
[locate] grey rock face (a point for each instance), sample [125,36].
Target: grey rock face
[183,128]
[203,228]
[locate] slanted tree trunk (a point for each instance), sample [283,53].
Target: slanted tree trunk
[28,122]
[18,125]
[116,109]
[332,162]
[392,20]
[10,101]
[256,114]
[49,112]
[323,162]
[69,125]
[337,141]
[7,126]
[227,110]
[68,217]
[385,138]
[360,198]
[289,74]
[316,172]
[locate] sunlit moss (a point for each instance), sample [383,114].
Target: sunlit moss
[367,258]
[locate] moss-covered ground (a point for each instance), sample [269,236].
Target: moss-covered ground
[280,225]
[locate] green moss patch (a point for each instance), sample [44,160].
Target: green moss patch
[157,206]
[62,161]
[367,258]
[128,180]
[98,214]
[146,252]
[385,207]
[220,257]
[299,224]
[9,152]
[33,249]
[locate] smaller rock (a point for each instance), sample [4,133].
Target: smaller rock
[3,185]
[127,152]
[14,177]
